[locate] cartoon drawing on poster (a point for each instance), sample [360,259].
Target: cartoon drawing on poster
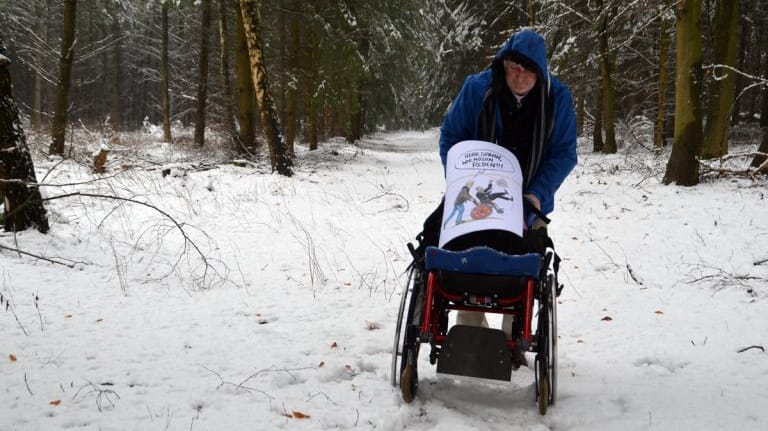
[483,190]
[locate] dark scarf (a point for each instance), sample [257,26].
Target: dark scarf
[526,139]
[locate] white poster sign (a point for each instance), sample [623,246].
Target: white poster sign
[483,190]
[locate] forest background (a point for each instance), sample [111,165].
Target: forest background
[134,113]
[689,72]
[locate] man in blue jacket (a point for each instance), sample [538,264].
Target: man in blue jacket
[520,106]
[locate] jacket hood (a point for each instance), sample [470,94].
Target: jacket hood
[527,46]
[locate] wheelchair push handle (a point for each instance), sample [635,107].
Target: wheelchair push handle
[533,213]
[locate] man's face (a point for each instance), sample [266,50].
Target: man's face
[519,79]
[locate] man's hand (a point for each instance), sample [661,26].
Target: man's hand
[534,200]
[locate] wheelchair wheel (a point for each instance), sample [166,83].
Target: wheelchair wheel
[408,329]
[546,357]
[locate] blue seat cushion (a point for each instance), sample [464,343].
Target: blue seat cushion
[483,260]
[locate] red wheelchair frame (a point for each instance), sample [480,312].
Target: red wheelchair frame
[426,322]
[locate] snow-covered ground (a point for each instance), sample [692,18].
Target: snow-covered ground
[290,323]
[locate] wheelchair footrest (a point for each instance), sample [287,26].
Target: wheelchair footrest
[475,352]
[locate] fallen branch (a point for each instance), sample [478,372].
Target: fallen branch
[632,274]
[751,172]
[70,265]
[751,347]
[760,262]
[27,384]
[179,226]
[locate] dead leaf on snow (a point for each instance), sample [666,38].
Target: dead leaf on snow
[55,402]
[607,318]
[12,357]
[300,415]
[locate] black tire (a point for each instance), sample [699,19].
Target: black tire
[546,350]
[552,312]
[543,393]
[409,376]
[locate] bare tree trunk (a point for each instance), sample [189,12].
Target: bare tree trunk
[683,168]
[282,103]
[269,121]
[226,84]
[37,100]
[37,103]
[721,90]
[23,206]
[764,110]
[606,78]
[741,64]
[764,66]
[202,77]
[117,97]
[59,125]
[580,107]
[293,88]
[246,105]
[661,105]
[597,131]
[359,86]
[312,100]
[531,13]
[757,161]
[164,77]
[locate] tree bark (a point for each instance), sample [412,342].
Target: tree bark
[166,96]
[246,106]
[580,106]
[59,125]
[741,62]
[267,112]
[293,88]
[597,131]
[357,97]
[606,79]
[661,100]
[37,98]
[202,77]
[721,90]
[764,110]
[117,96]
[226,84]
[531,13]
[683,168]
[312,99]
[23,206]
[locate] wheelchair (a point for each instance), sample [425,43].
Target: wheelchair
[479,279]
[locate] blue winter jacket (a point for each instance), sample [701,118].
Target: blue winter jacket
[559,157]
